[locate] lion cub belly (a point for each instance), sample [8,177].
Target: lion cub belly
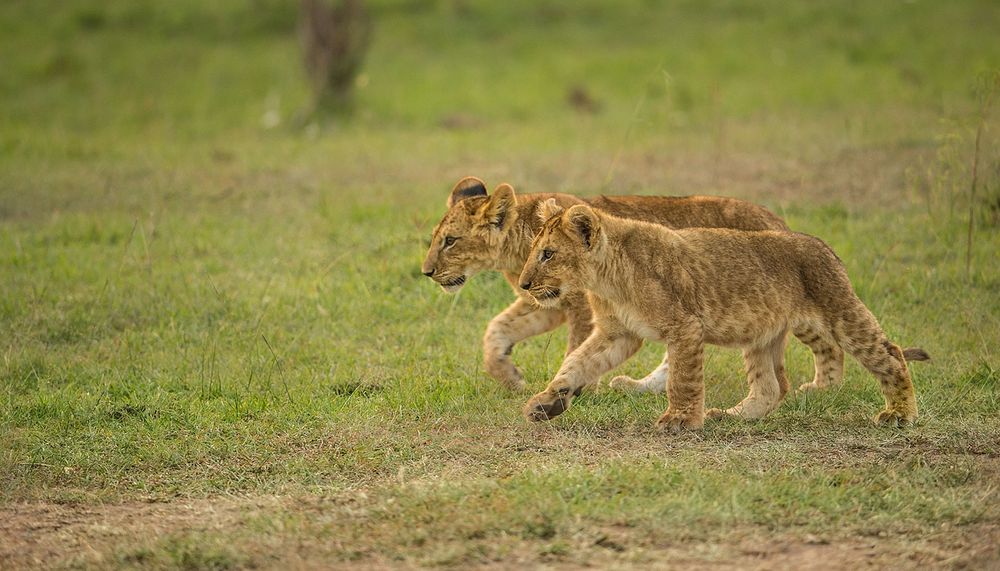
[729,327]
[741,332]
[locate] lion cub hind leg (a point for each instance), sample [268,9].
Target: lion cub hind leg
[866,342]
[520,320]
[686,384]
[828,357]
[778,362]
[655,382]
[763,363]
[885,360]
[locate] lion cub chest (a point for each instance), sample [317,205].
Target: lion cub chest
[634,320]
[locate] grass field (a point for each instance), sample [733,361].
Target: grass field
[217,350]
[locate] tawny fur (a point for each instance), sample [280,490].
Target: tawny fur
[494,232]
[690,287]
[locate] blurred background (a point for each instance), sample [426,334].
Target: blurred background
[212,218]
[774,100]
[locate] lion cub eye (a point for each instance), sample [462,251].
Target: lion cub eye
[450,241]
[547,255]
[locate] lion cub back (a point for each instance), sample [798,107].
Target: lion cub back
[796,267]
[691,212]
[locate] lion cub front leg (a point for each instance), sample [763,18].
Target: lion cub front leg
[521,319]
[579,320]
[600,353]
[686,383]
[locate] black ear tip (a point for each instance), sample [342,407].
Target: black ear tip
[477,189]
[468,187]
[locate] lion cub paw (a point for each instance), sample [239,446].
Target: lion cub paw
[809,387]
[624,383]
[715,414]
[650,384]
[895,418]
[507,373]
[549,403]
[514,385]
[673,423]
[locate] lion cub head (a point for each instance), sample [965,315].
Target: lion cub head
[471,234]
[562,252]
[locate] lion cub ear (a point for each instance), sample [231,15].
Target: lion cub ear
[497,208]
[582,221]
[467,187]
[549,208]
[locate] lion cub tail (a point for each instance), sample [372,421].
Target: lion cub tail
[915,354]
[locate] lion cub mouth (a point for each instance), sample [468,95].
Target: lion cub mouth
[454,284]
[547,296]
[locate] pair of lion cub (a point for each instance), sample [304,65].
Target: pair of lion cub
[685,271]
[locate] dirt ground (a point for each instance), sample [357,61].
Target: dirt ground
[34,535]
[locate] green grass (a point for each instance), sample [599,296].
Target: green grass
[200,307]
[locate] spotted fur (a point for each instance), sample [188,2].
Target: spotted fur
[696,286]
[494,232]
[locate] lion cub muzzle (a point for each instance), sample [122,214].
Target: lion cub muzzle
[545,296]
[449,283]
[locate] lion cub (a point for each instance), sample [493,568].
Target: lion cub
[494,232]
[695,286]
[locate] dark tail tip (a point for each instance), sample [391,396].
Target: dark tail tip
[915,354]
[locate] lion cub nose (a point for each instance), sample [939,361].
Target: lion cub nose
[526,285]
[429,273]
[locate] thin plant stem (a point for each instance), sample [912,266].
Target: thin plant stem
[983,115]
